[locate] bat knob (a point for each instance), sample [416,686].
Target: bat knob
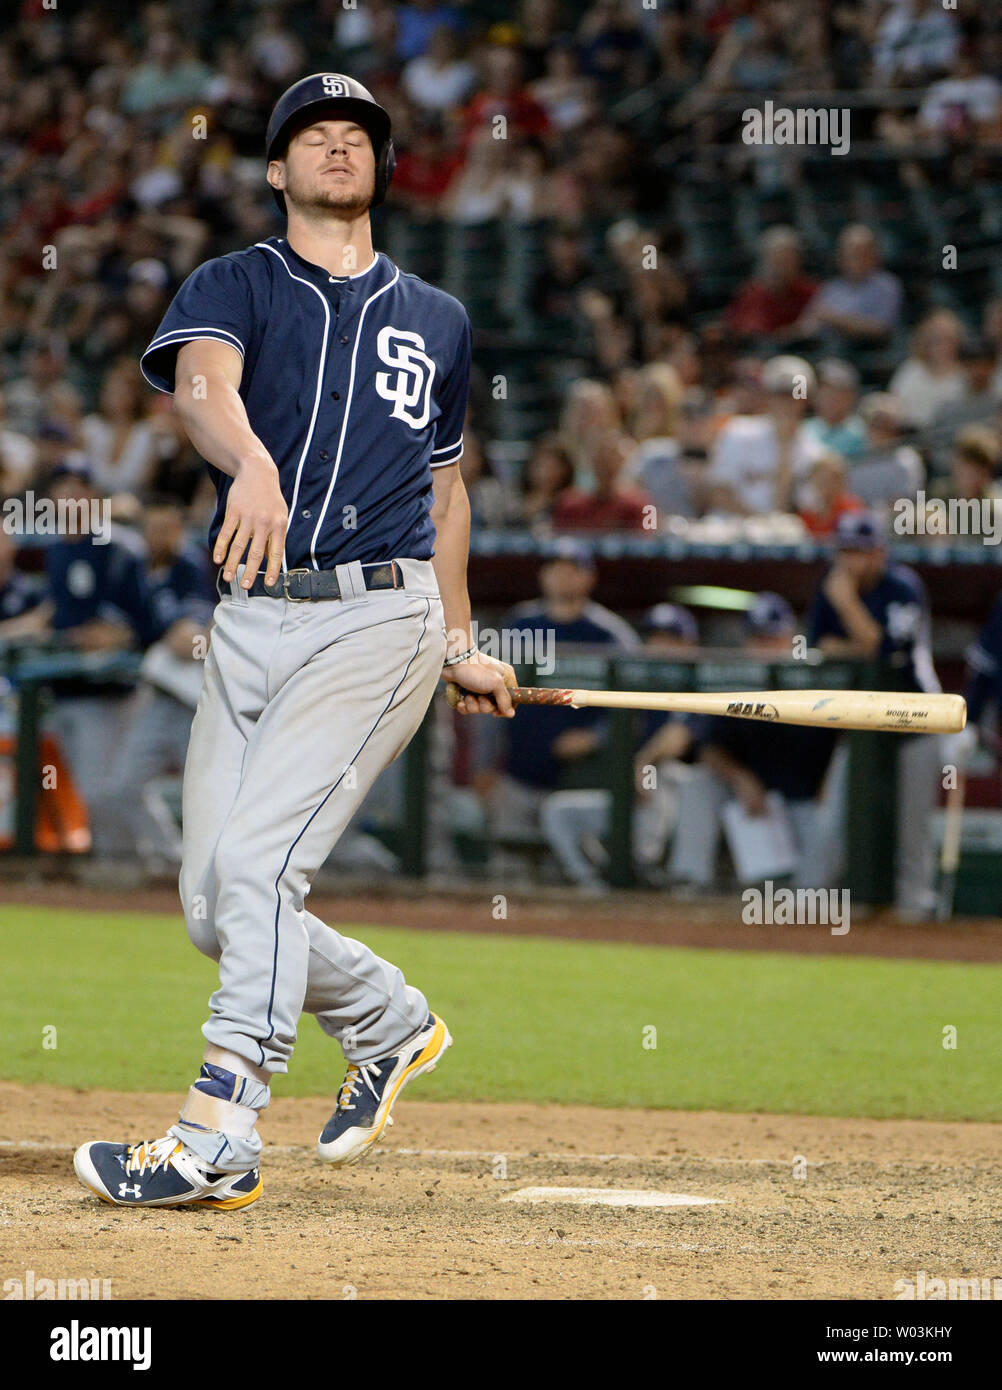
[453,694]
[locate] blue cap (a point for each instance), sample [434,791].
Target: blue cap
[73,466]
[769,615]
[567,548]
[860,531]
[672,620]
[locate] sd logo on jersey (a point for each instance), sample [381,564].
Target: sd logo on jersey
[410,388]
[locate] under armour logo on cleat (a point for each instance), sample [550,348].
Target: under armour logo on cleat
[124,1189]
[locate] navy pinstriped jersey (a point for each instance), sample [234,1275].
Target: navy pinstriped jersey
[356,386]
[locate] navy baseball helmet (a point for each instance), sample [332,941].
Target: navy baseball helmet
[331,93]
[769,615]
[671,620]
[860,531]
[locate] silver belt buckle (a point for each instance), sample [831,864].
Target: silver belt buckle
[288,575]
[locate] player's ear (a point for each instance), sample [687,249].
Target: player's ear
[276,173]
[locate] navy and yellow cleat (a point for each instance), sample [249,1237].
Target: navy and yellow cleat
[161,1173]
[369,1090]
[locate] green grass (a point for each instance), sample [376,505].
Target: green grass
[535,1019]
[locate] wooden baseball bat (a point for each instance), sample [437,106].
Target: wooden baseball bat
[889,710]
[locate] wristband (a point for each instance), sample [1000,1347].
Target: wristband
[463,656]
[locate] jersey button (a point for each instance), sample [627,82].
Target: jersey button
[324,455]
[335,395]
[344,340]
[306,513]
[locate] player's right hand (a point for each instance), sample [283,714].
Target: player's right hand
[254,525]
[483,681]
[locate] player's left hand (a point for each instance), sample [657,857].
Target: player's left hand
[484,679]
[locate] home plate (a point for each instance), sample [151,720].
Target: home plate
[609,1197]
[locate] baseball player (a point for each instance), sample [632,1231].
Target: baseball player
[326,389]
[869,608]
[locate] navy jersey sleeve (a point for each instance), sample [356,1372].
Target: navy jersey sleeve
[452,402]
[214,302]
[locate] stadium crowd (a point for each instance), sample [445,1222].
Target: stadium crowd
[801,363]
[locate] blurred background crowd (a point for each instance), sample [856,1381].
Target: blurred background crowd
[676,333]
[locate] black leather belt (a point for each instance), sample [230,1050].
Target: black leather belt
[314,586]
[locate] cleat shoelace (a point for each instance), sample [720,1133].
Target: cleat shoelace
[350,1086]
[152,1154]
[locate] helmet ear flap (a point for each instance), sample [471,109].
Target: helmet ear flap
[385,165]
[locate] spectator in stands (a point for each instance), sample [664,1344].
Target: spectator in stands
[277,52]
[28,398]
[979,404]
[932,376]
[868,609]
[505,94]
[548,473]
[610,503]
[119,442]
[556,743]
[565,271]
[777,296]
[916,40]
[889,468]
[68,301]
[825,495]
[991,327]
[589,411]
[493,183]
[491,504]
[440,78]
[18,455]
[538,24]
[575,823]
[837,425]
[567,97]
[758,460]
[614,48]
[767,768]
[862,305]
[965,105]
[974,467]
[417,24]
[425,170]
[656,464]
[171,80]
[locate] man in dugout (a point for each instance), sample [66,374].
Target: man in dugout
[868,609]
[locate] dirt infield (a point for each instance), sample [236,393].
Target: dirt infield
[426,1216]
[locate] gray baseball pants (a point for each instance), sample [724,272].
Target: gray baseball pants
[302,706]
